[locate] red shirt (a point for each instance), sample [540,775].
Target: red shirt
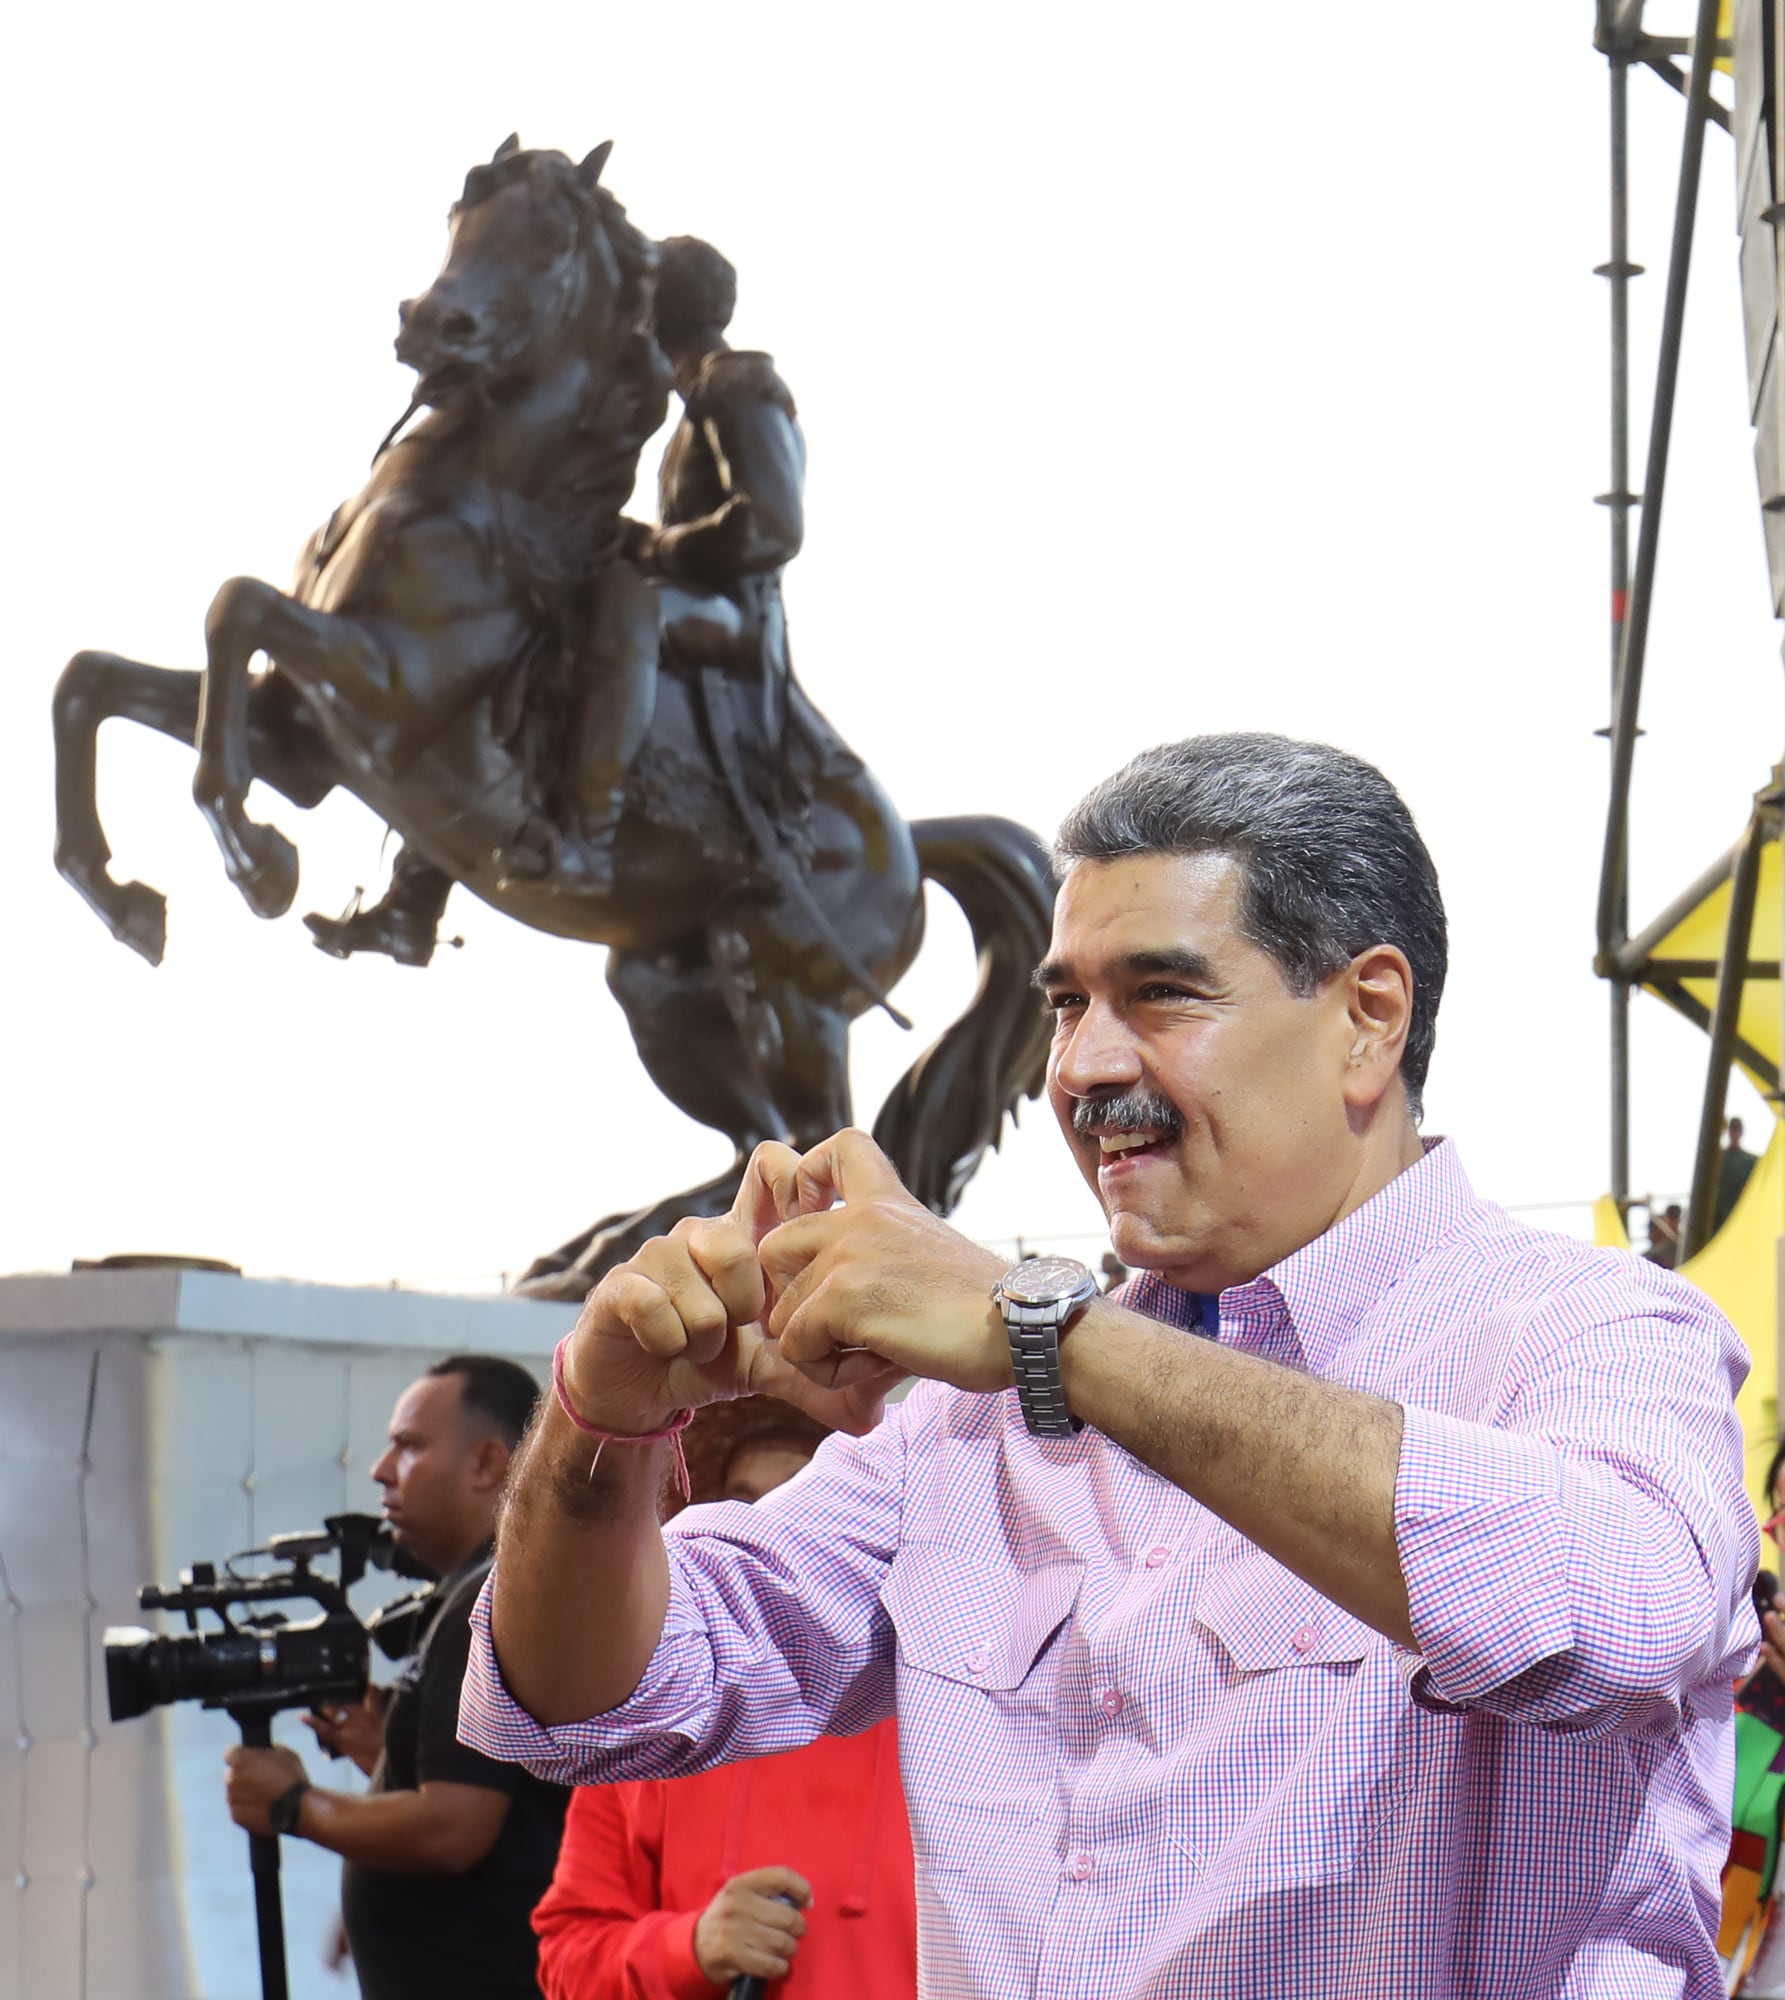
[640,1863]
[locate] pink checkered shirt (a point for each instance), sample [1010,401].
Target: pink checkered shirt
[1142,1758]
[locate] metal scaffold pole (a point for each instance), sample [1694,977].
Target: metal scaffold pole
[1618,272]
[1631,610]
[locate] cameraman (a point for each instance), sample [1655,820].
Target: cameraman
[449,1851]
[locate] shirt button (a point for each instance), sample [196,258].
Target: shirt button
[1080,1867]
[1112,1702]
[1157,1555]
[979,1662]
[1305,1637]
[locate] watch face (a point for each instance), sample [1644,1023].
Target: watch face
[1040,1280]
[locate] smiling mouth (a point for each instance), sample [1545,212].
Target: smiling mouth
[1130,1124]
[1125,1145]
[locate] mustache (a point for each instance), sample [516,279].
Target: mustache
[1138,1109]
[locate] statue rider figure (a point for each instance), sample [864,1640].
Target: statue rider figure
[730,492]
[731,516]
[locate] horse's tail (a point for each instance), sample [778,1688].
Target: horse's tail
[949,1106]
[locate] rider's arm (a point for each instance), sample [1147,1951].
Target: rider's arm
[762,522]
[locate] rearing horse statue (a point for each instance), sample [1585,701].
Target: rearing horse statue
[485,555]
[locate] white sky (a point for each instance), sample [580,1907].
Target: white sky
[1154,381]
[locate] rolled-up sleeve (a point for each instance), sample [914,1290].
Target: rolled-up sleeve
[1582,1562]
[773,1636]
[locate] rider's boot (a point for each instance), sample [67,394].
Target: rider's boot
[404,923]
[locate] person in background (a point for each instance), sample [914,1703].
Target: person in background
[1115,1272]
[794,1868]
[1664,1237]
[1734,1164]
[449,1850]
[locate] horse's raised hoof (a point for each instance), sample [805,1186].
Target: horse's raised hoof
[269,882]
[139,919]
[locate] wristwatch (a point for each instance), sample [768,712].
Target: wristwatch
[1037,1297]
[282,1814]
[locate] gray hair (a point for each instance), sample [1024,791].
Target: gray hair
[1331,862]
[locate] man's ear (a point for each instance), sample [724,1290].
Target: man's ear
[489,1460]
[1379,1007]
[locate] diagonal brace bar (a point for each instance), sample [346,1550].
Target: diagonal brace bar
[1744,882]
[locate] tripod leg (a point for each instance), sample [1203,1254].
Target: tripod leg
[263,1859]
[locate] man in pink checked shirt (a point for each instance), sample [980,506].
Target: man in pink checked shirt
[1374,1637]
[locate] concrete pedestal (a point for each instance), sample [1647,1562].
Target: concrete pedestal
[150,1419]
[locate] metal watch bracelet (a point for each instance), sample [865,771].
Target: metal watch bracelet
[1035,1361]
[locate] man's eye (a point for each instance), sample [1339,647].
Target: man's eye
[1058,1003]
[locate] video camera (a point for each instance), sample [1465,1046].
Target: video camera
[260,1663]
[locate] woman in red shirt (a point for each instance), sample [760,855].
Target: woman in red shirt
[793,1869]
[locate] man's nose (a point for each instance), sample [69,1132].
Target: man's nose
[1095,1053]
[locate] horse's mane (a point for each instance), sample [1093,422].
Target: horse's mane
[577,189]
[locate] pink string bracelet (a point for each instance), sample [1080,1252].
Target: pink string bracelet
[672,1430]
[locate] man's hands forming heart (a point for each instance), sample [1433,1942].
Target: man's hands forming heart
[825,1284]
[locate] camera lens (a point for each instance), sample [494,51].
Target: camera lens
[282,1667]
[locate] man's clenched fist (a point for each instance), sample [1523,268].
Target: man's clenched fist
[680,1324]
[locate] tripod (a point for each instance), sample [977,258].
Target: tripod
[256,1725]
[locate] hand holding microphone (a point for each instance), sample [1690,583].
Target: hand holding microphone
[749,1932]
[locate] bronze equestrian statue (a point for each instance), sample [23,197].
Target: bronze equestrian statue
[731,514]
[591,724]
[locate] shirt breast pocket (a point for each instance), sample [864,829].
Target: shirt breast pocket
[977,1689]
[1295,1774]
[1266,1617]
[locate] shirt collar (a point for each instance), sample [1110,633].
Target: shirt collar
[1328,1287]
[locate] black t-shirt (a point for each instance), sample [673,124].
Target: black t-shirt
[439,1937]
